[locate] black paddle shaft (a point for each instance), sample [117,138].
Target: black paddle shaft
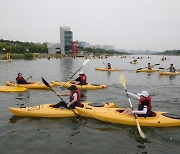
[47,84]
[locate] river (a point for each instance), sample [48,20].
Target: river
[69,135]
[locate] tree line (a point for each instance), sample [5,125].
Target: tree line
[22,47]
[170,52]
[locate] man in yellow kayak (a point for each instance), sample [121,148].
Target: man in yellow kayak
[20,79]
[172,68]
[144,107]
[149,67]
[81,80]
[74,99]
[109,66]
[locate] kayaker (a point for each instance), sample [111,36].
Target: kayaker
[172,68]
[75,98]
[20,79]
[149,67]
[144,107]
[81,80]
[109,66]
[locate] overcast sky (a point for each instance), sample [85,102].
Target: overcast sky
[125,24]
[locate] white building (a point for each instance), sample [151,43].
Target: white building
[53,48]
[66,38]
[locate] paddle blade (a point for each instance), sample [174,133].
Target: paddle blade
[161,68]
[139,68]
[122,80]
[85,62]
[45,82]
[141,133]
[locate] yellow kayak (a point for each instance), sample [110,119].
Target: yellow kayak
[46,110]
[88,86]
[147,70]
[12,89]
[169,73]
[114,115]
[106,69]
[133,62]
[32,85]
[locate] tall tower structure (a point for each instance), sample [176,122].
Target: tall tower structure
[66,37]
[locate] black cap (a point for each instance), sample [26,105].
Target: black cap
[73,87]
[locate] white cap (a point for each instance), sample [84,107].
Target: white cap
[81,72]
[143,93]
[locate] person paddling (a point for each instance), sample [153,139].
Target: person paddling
[74,98]
[149,67]
[81,80]
[109,66]
[20,79]
[144,107]
[172,68]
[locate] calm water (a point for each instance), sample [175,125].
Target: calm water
[68,135]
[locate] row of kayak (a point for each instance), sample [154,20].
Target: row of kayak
[156,70]
[14,87]
[105,112]
[141,70]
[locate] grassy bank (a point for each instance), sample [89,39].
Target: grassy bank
[30,56]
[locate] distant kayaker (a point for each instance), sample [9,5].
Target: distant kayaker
[74,99]
[144,107]
[149,67]
[81,80]
[109,66]
[20,79]
[172,68]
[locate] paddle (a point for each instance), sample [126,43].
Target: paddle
[29,78]
[123,83]
[47,84]
[84,63]
[162,68]
[146,67]
[105,64]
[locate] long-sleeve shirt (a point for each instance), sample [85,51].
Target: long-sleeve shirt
[144,111]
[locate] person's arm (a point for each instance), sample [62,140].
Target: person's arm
[77,79]
[73,101]
[134,95]
[144,111]
[62,94]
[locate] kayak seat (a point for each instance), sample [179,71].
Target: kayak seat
[96,104]
[95,84]
[154,114]
[170,115]
[120,111]
[81,105]
[51,105]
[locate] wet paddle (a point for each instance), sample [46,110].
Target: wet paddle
[29,78]
[105,64]
[47,84]
[84,63]
[146,67]
[123,83]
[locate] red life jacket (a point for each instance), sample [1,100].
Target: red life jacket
[141,101]
[78,95]
[19,78]
[83,79]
